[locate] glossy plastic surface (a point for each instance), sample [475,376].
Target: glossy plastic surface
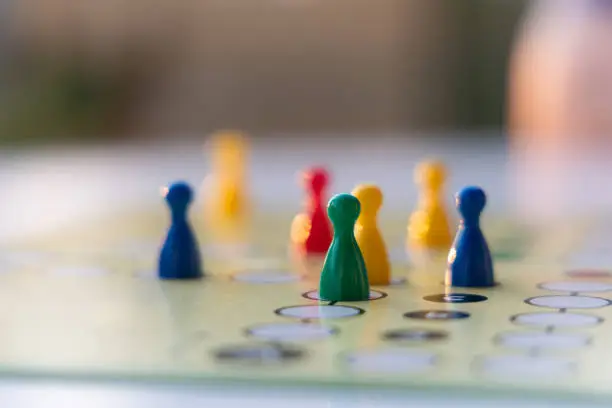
[469,259]
[428,227]
[311,230]
[368,235]
[226,197]
[180,256]
[344,276]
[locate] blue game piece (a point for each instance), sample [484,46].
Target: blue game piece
[469,259]
[180,255]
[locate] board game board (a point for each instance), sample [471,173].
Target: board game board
[86,303]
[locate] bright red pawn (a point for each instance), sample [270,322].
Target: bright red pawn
[320,234]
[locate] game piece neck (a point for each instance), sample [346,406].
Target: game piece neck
[367,220]
[178,197]
[343,226]
[179,214]
[432,190]
[316,193]
[345,231]
[316,180]
[470,222]
[470,217]
[430,198]
[315,201]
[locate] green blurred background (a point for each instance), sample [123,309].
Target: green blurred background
[117,69]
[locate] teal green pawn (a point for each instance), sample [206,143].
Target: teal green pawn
[344,277]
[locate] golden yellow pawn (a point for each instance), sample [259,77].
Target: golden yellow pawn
[368,236]
[225,194]
[300,229]
[428,227]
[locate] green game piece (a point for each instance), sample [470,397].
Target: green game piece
[344,277]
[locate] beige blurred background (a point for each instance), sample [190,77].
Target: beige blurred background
[123,68]
[529,77]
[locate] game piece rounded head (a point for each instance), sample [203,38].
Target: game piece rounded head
[430,174]
[316,179]
[228,139]
[370,197]
[343,210]
[179,194]
[470,203]
[229,151]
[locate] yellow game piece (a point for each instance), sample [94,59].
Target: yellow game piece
[369,237]
[300,229]
[225,194]
[428,227]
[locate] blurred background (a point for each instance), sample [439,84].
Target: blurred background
[522,89]
[93,69]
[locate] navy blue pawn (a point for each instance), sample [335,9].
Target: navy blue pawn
[180,255]
[469,259]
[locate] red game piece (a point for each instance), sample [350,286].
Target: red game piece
[320,234]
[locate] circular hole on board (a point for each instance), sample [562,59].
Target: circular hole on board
[518,366]
[573,286]
[531,340]
[455,298]
[398,361]
[319,311]
[555,319]
[568,302]
[80,271]
[265,277]
[589,273]
[258,354]
[439,315]
[415,335]
[291,331]
[314,295]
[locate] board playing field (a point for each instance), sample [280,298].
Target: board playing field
[86,302]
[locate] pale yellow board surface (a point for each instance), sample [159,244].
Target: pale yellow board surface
[86,302]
